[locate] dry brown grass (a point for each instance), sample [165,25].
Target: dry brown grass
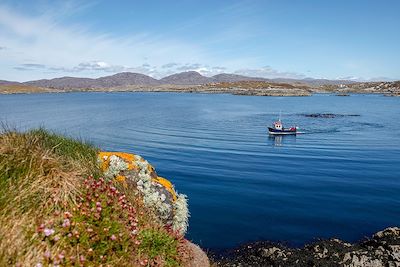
[34,182]
[23,89]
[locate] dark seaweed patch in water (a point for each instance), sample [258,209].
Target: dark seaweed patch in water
[369,124]
[328,115]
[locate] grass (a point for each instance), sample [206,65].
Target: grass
[75,150]
[55,209]
[159,246]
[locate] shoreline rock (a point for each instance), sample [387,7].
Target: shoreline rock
[382,249]
[200,258]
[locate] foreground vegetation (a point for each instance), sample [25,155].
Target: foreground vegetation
[57,210]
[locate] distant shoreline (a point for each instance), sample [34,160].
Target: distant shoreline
[193,82]
[279,92]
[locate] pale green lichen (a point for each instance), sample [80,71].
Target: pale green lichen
[116,165]
[181,214]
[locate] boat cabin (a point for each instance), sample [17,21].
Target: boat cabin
[277,125]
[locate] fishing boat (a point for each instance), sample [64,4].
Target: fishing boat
[278,129]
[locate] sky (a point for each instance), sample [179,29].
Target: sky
[338,39]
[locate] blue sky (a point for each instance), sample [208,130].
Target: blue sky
[354,39]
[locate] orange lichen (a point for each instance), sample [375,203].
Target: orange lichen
[127,157]
[132,165]
[120,178]
[167,184]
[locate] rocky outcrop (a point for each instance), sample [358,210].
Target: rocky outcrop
[199,257]
[383,249]
[158,193]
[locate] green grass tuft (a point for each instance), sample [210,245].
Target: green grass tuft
[79,150]
[155,243]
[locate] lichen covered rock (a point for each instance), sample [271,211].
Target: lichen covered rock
[158,193]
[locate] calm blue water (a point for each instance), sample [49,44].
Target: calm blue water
[339,179]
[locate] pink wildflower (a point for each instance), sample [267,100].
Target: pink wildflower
[40,228]
[98,209]
[47,254]
[48,232]
[66,223]
[113,238]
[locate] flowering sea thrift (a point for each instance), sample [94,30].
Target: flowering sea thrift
[48,232]
[102,217]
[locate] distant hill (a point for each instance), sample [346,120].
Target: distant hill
[226,77]
[126,78]
[184,78]
[119,79]
[188,77]
[63,83]
[193,78]
[3,82]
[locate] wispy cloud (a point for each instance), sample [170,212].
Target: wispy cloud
[33,65]
[362,79]
[41,45]
[169,65]
[101,66]
[203,69]
[45,40]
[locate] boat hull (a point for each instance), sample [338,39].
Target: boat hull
[281,132]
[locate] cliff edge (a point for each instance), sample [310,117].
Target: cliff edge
[66,203]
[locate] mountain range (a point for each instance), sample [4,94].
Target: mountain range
[184,78]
